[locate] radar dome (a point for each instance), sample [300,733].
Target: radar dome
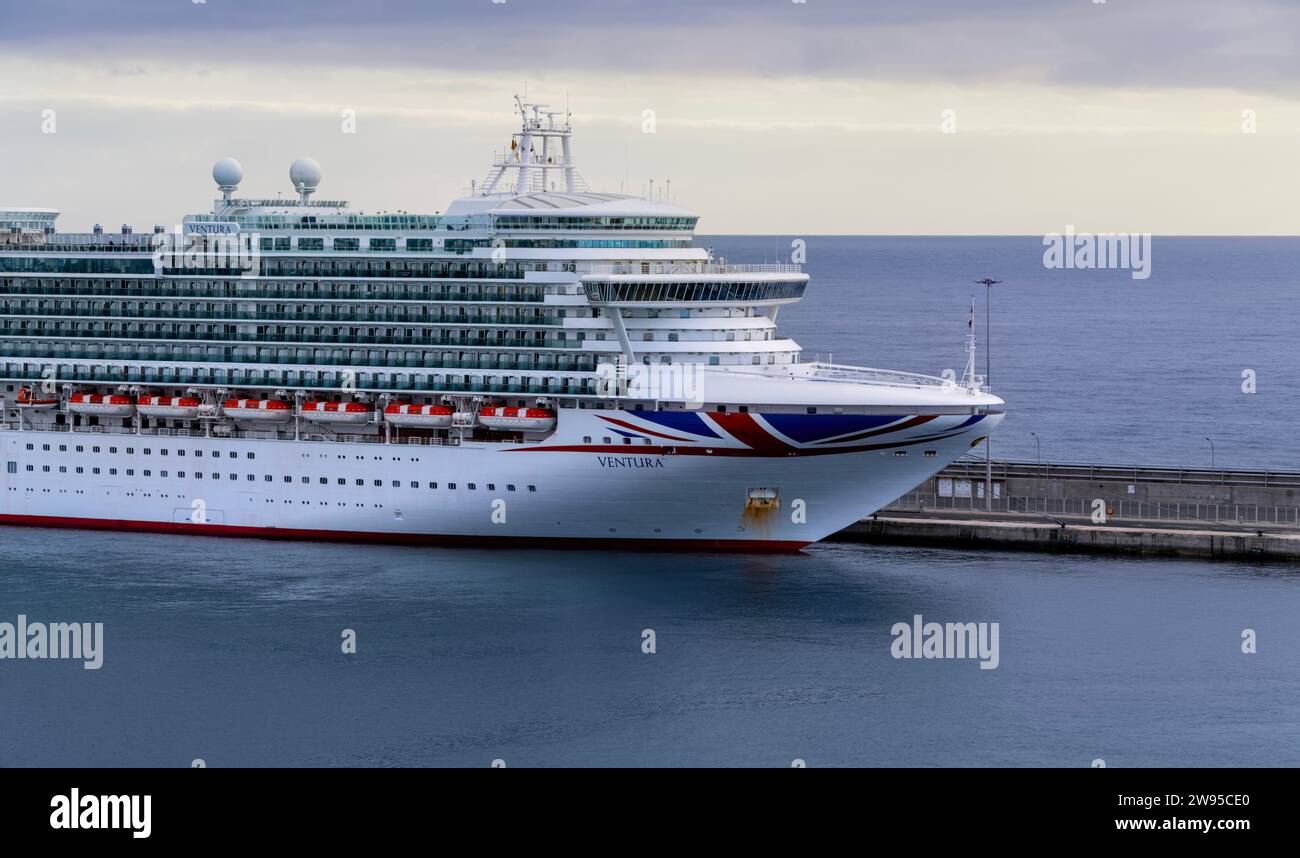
[227,173]
[305,173]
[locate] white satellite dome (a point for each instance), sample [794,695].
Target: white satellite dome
[227,173]
[305,173]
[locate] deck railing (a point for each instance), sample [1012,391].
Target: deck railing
[679,267]
[976,469]
[1117,512]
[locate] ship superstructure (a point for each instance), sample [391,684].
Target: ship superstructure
[539,362]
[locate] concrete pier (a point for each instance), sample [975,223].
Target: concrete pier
[1172,512]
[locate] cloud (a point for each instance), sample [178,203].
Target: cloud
[1249,44]
[772,116]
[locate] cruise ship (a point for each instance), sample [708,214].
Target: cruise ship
[539,364]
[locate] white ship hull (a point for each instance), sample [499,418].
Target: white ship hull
[608,380]
[565,491]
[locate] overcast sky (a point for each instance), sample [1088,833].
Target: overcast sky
[771,116]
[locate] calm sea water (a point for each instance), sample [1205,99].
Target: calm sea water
[1104,368]
[229,650]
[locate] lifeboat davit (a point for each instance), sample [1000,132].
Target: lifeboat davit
[177,407]
[335,412]
[28,399]
[273,410]
[517,419]
[101,404]
[419,416]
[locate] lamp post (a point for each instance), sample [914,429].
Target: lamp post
[988,283]
[1039,442]
[1211,453]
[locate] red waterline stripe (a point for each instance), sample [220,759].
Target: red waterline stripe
[226,530]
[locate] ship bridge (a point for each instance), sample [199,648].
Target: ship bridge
[26,225]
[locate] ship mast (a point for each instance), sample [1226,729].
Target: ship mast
[532,158]
[968,377]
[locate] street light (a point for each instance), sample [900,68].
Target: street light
[988,283]
[1039,442]
[1211,453]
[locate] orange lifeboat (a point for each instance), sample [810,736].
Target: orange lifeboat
[271,410]
[335,412]
[27,398]
[101,404]
[178,407]
[419,416]
[517,419]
